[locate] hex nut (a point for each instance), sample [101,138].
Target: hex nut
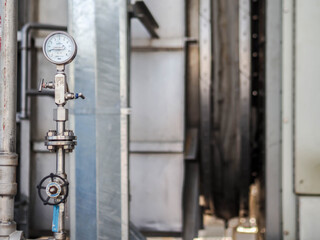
[51,133]
[60,114]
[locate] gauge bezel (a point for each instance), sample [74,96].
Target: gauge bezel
[70,59]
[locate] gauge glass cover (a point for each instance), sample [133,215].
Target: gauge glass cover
[59,48]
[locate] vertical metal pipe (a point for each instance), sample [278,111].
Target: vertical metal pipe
[60,154]
[8,92]
[60,164]
[60,170]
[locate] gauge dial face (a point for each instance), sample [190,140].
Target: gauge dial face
[59,48]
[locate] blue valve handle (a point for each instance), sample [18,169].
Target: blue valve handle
[77,95]
[55,219]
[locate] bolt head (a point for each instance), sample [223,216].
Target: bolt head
[53,189]
[51,133]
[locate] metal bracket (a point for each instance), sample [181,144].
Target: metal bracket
[140,11]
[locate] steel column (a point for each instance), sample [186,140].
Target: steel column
[100,163]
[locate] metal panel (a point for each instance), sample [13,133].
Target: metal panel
[157,120]
[288,197]
[83,192]
[307,98]
[273,119]
[53,11]
[156,192]
[157,99]
[309,217]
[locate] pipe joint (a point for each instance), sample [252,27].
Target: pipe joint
[7,228]
[8,159]
[8,189]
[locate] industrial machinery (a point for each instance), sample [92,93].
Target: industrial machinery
[195,124]
[60,49]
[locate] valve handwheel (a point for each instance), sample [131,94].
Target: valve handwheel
[53,189]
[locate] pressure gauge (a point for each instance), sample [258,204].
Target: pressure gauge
[59,48]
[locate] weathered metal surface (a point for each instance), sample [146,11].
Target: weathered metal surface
[289,200]
[8,106]
[154,124]
[273,119]
[226,108]
[205,70]
[100,163]
[309,215]
[307,112]
[156,186]
[157,94]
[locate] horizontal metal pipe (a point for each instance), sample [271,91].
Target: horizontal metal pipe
[35,92]
[24,58]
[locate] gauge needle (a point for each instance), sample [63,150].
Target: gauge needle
[57,48]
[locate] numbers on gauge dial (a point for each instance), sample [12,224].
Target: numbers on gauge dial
[59,48]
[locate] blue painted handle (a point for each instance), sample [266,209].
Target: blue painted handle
[55,220]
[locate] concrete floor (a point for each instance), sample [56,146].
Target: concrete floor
[214,229]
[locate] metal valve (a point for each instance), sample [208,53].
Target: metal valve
[53,190]
[74,96]
[49,85]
